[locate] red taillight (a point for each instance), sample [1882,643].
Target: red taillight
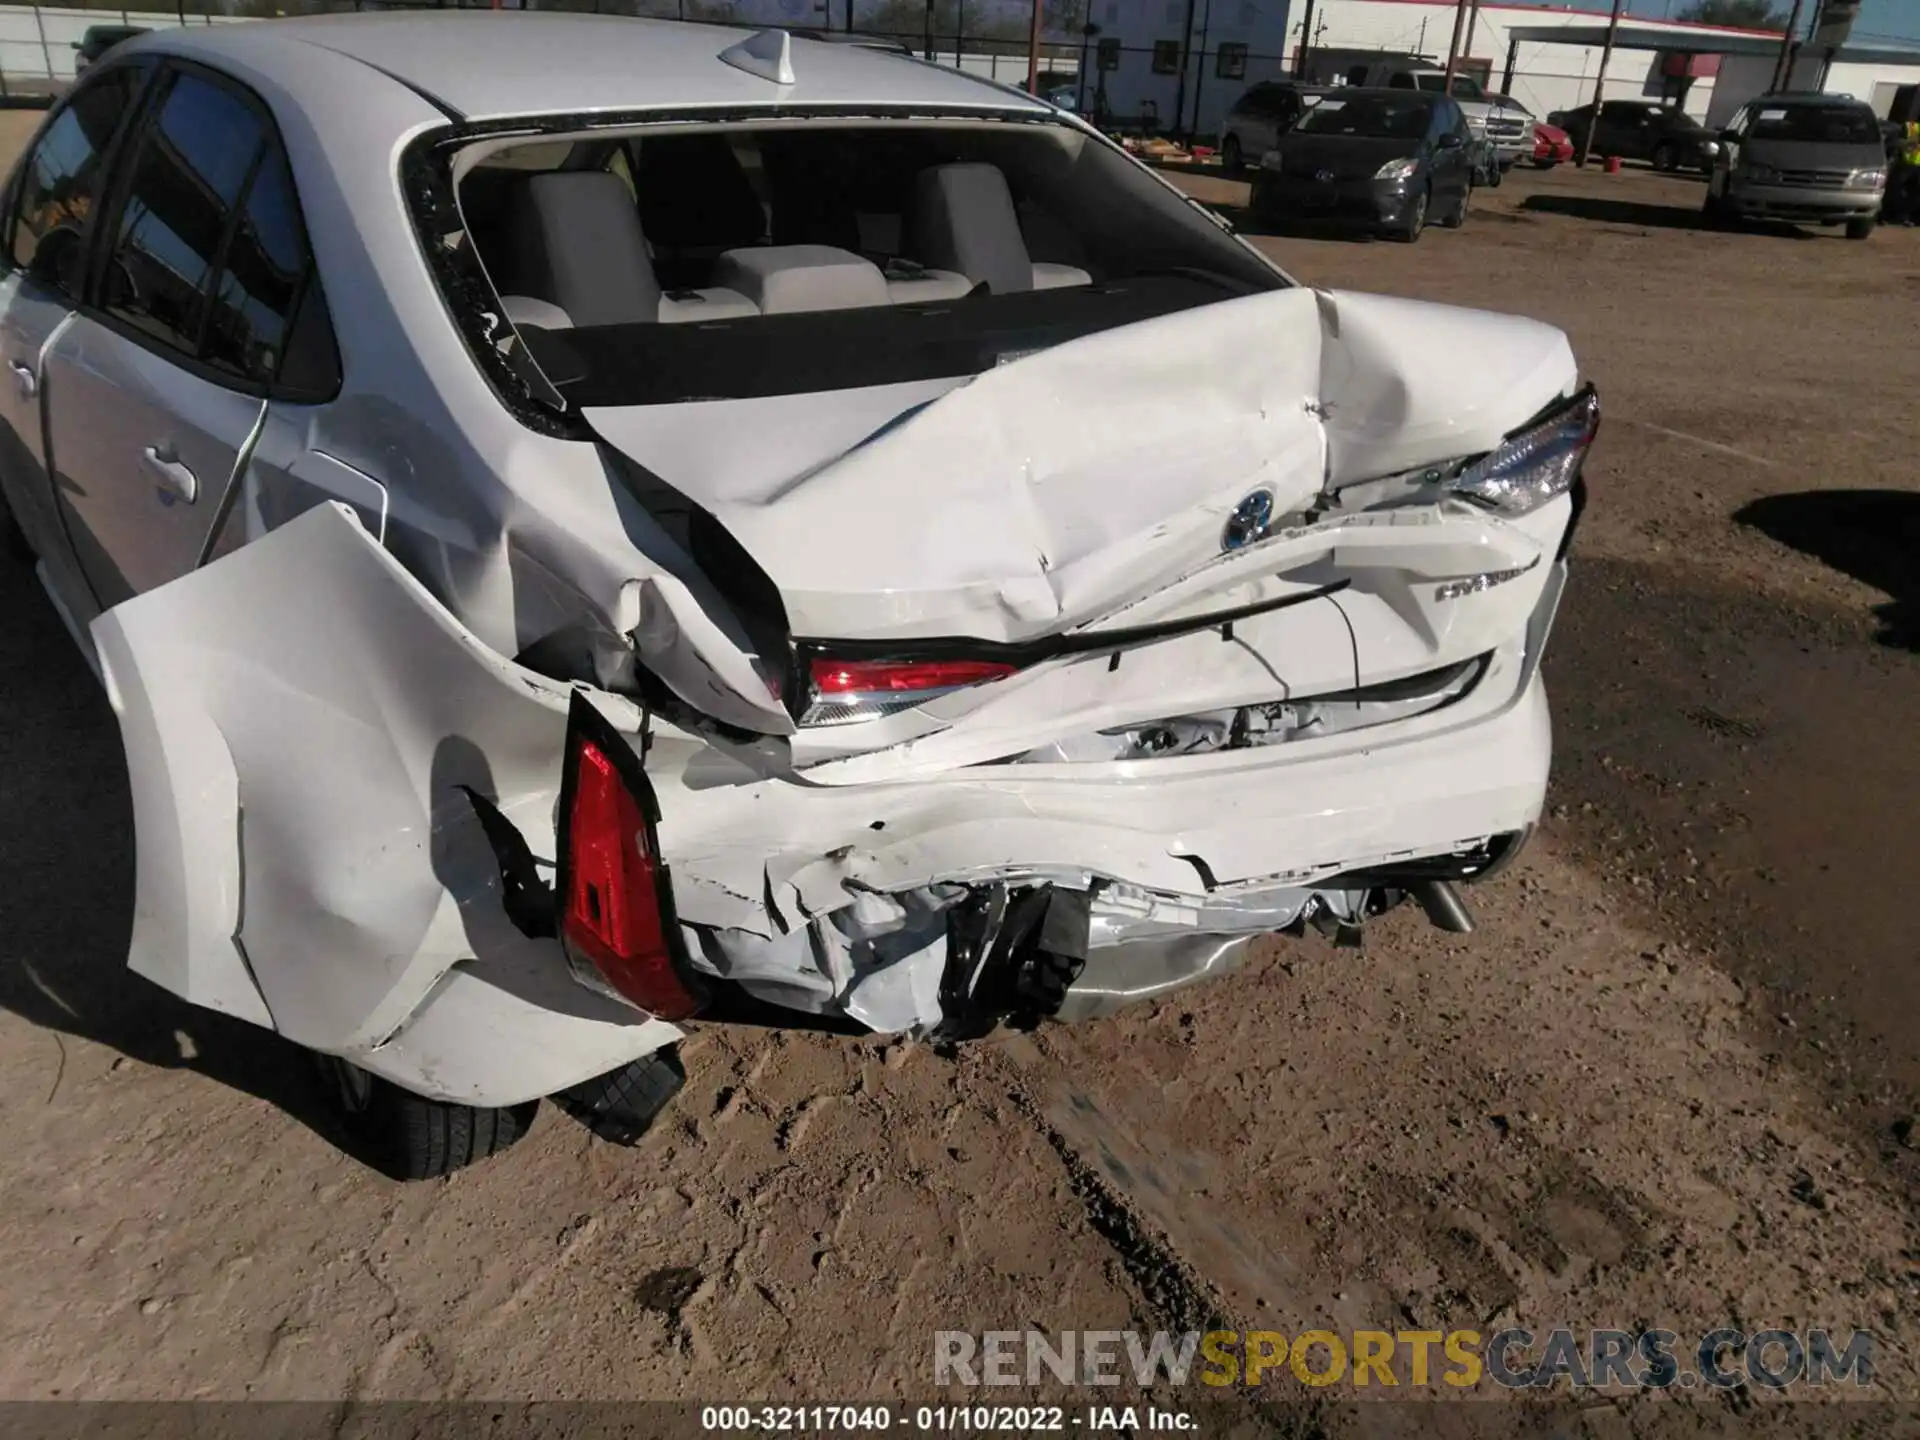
[843,691]
[615,915]
[854,677]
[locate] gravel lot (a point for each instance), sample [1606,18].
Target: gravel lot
[1671,1081]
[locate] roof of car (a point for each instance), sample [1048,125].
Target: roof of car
[484,64]
[1821,98]
[1384,92]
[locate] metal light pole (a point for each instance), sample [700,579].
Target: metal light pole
[1200,73]
[1783,66]
[1033,50]
[1180,82]
[1306,43]
[1453,45]
[1087,31]
[1600,86]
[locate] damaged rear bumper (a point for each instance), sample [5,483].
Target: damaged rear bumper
[306,725]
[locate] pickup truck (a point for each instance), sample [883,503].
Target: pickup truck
[1506,129]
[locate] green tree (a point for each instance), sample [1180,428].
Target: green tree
[1747,14]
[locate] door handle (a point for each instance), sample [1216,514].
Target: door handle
[176,481]
[24,379]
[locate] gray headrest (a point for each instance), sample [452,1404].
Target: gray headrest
[963,219]
[576,241]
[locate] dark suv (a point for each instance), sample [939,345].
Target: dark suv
[1259,118]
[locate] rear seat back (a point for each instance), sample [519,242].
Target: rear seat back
[573,239]
[573,252]
[963,220]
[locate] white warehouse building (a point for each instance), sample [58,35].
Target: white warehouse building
[1176,65]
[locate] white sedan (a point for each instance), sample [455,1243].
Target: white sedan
[588,523]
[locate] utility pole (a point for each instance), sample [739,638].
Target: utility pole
[1033,50]
[1306,44]
[1783,67]
[1200,74]
[1453,45]
[1600,86]
[929,30]
[1180,83]
[1473,24]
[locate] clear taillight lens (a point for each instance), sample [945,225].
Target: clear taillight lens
[843,692]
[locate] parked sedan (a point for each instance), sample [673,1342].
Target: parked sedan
[1258,119]
[1663,135]
[588,522]
[1551,146]
[1384,159]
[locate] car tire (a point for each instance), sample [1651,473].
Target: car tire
[1859,229]
[1231,159]
[1408,230]
[409,1137]
[1665,158]
[621,1106]
[1496,173]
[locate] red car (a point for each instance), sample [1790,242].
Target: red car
[1551,145]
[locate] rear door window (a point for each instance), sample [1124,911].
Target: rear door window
[60,180]
[211,257]
[193,163]
[259,284]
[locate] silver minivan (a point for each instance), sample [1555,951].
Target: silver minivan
[1800,157]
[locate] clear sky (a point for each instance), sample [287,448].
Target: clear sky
[1879,19]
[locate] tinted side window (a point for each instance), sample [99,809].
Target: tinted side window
[194,160]
[60,180]
[259,284]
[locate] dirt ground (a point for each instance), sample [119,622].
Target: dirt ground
[1671,1080]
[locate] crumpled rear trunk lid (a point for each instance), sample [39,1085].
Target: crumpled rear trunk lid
[1052,491]
[1111,484]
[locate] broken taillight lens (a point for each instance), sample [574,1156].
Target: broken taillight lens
[840,692]
[616,919]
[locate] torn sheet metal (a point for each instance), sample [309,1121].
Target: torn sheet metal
[1055,490]
[300,717]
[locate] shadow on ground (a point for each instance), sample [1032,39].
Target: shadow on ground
[66,849]
[1297,227]
[1635,212]
[1872,535]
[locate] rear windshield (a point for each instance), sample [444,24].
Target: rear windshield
[1372,117]
[746,260]
[1822,124]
